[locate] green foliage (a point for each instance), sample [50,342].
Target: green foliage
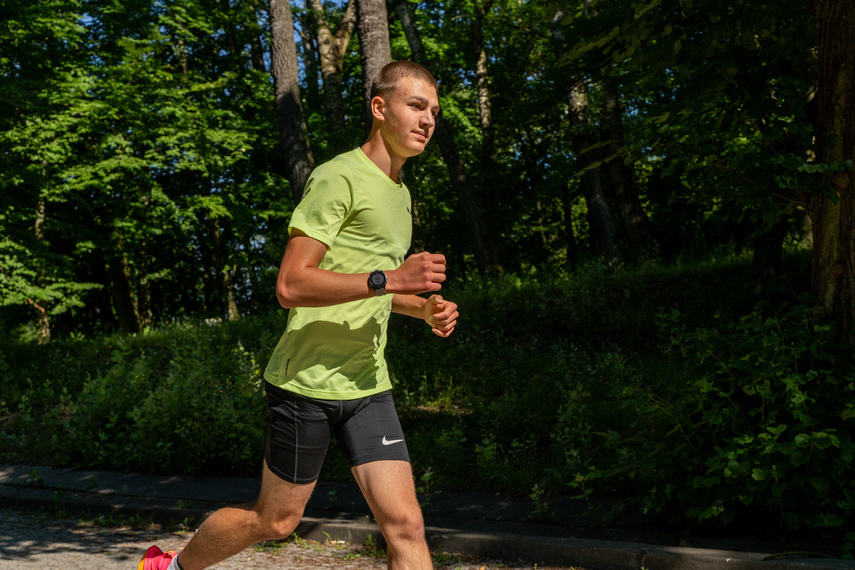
[768,405]
[25,279]
[203,396]
[754,418]
[658,387]
[721,98]
[183,399]
[528,389]
[731,418]
[140,168]
[142,138]
[139,146]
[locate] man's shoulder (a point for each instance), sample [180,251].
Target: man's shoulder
[343,163]
[339,172]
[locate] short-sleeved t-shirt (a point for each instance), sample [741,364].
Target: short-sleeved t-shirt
[364,220]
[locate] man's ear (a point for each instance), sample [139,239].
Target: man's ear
[378,108]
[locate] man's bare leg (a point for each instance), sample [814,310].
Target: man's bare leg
[229,531]
[389,489]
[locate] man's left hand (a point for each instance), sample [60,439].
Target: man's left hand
[441,315]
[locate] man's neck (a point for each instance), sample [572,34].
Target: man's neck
[377,152]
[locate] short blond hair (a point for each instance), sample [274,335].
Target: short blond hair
[387,79]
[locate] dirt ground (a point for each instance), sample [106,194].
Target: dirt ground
[29,540]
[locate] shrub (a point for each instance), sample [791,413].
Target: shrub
[642,386]
[182,399]
[766,413]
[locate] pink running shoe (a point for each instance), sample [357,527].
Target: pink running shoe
[156,559]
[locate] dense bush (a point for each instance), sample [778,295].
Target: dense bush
[181,399]
[766,410]
[678,391]
[752,419]
[669,389]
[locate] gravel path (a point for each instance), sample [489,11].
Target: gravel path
[45,542]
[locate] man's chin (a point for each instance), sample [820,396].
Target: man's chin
[417,148]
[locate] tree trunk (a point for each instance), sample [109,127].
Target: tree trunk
[289,110]
[414,40]
[124,300]
[601,226]
[632,228]
[309,41]
[144,307]
[372,24]
[42,318]
[42,322]
[460,183]
[450,154]
[572,251]
[220,259]
[529,151]
[804,229]
[489,162]
[332,49]
[229,277]
[833,213]
[256,50]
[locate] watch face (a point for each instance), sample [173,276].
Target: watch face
[377,279]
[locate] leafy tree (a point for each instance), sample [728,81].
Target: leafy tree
[475,226]
[720,95]
[489,158]
[331,51]
[143,144]
[150,136]
[37,268]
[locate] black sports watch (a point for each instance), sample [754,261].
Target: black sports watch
[377,280]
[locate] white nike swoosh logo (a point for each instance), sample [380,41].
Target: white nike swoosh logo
[391,441]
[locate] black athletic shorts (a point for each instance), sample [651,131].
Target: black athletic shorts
[298,432]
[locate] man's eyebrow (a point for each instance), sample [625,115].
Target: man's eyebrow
[424,101]
[420,99]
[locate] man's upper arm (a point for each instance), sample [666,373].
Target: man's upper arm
[302,251]
[324,207]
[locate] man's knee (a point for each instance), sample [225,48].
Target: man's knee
[280,527]
[409,527]
[277,522]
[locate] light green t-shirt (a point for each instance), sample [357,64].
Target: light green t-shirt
[364,219]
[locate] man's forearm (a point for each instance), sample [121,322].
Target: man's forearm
[313,287]
[302,283]
[411,305]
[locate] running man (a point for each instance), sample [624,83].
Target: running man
[344,271]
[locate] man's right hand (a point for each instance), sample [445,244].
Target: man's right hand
[420,273]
